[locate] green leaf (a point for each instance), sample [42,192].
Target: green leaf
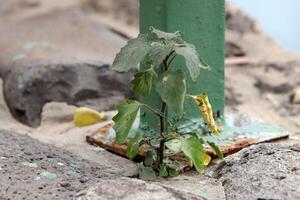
[131,54]
[142,82]
[216,149]
[127,112]
[159,51]
[147,174]
[164,35]
[150,158]
[163,170]
[133,146]
[172,172]
[193,149]
[193,62]
[171,87]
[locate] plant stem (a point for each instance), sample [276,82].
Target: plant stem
[162,131]
[162,118]
[156,112]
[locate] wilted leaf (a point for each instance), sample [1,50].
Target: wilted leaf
[159,51]
[127,112]
[171,87]
[205,108]
[193,149]
[85,116]
[216,149]
[193,62]
[147,174]
[133,146]
[142,82]
[131,54]
[164,35]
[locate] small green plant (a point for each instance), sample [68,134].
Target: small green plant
[158,49]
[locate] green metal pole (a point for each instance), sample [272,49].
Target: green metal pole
[202,23]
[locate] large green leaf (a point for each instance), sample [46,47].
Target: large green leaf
[193,149]
[134,145]
[142,82]
[127,112]
[216,149]
[160,50]
[132,54]
[193,62]
[171,87]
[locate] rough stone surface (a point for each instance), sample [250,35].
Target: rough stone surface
[264,171]
[128,189]
[61,60]
[33,170]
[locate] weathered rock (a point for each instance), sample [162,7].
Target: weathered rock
[58,56]
[264,171]
[28,89]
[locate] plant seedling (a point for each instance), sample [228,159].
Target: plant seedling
[158,49]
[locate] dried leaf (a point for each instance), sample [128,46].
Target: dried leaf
[206,111]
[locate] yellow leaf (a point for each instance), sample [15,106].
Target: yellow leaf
[86,116]
[206,111]
[206,159]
